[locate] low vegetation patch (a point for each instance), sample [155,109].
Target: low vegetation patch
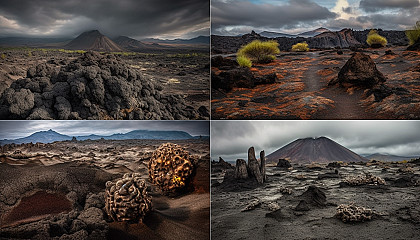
[375,40]
[243,61]
[413,34]
[258,52]
[300,47]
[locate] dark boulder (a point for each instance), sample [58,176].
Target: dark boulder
[389,52]
[314,197]
[302,206]
[415,46]
[223,63]
[283,163]
[360,71]
[238,77]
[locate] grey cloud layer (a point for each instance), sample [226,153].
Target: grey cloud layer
[377,5]
[239,17]
[123,17]
[234,13]
[17,129]
[232,139]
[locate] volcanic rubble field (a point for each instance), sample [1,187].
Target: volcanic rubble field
[57,191]
[270,212]
[50,84]
[295,86]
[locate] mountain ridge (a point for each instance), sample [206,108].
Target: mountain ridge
[389,157]
[52,136]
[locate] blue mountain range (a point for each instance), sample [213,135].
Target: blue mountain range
[52,136]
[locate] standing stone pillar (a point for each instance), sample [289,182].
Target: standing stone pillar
[254,167]
[241,171]
[262,167]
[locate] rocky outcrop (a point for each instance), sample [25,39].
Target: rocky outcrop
[415,46]
[234,76]
[221,165]
[283,163]
[359,71]
[254,169]
[345,38]
[93,86]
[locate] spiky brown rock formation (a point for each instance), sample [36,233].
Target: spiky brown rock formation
[126,199]
[353,213]
[170,168]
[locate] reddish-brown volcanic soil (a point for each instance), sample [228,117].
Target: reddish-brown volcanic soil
[302,92]
[37,206]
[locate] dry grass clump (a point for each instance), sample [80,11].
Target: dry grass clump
[375,40]
[258,52]
[300,47]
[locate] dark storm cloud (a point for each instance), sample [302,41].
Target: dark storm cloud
[231,139]
[18,129]
[245,13]
[124,17]
[348,10]
[378,5]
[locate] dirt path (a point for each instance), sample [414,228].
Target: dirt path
[346,106]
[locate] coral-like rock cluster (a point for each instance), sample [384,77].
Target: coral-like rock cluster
[170,168]
[368,178]
[127,198]
[353,213]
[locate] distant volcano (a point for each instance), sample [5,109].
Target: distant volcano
[130,43]
[321,150]
[93,40]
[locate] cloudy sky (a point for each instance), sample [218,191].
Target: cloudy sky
[18,129]
[231,139]
[134,18]
[233,17]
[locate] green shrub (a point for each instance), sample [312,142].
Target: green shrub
[260,52]
[413,34]
[243,61]
[376,40]
[300,47]
[3,56]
